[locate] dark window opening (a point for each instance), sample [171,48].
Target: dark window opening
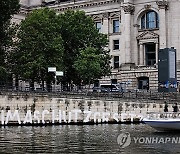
[143,83]
[115,44]
[96,83]
[150,54]
[113,81]
[116,61]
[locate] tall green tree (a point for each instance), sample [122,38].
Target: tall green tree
[78,32]
[7,9]
[90,65]
[65,41]
[39,46]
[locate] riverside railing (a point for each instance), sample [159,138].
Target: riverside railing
[88,93]
[163,115]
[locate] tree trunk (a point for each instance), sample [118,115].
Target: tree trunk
[88,87]
[48,86]
[32,85]
[16,83]
[43,88]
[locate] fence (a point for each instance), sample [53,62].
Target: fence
[147,95]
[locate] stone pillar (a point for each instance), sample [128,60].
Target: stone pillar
[162,23]
[141,54]
[105,26]
[135,57]
[157,49]
[144,54]
[128,10]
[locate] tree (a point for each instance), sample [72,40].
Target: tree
[78,32]
[39,46]
[7,9]
[90,65]
[63,41]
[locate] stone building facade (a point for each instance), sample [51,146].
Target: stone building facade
[136,30]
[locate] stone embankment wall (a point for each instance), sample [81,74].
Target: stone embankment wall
[44,109]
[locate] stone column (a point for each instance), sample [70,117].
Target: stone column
[157,49]
[141,54]
[135,57]
[144,55]
[162,23]
[128,10]
[105,26]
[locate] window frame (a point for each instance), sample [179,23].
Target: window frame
[148,18]
[114,26]
[148,54]
[99,29]
[116,62]
[115,45]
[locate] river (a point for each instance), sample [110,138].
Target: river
[87,139]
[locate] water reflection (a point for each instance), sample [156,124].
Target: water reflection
[81,139]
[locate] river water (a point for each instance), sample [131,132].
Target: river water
[87,139]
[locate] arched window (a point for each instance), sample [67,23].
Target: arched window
[150,20]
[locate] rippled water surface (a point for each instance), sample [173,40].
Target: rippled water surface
[83,139]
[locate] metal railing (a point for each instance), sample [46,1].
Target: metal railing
[163,115]
[88,93]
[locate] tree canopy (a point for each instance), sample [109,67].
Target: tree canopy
[7,9]
[90,65]
[79,32]
[68,41]
[39,46]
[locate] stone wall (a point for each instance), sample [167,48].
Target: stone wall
[44,109]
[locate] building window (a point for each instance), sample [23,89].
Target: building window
[150,54]
[115,26]
[150,20]
[116,61]
[99,26]
[113,81]
[143,83]
[96,83]
[115,44]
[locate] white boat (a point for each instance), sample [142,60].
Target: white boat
[167,121]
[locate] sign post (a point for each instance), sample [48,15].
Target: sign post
[56,73]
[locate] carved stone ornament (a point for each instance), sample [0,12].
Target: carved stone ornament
[162,4]
[106,15]
[97,17]
[115,14]
[89,3]
[129,9]
[148,6]
[147,35]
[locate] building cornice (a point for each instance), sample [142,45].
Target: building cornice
[83,4]
[63,6]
